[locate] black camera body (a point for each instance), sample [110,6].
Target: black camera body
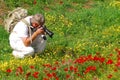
[50,33]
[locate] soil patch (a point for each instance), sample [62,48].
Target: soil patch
[3,12]
[46,8]
[88,4]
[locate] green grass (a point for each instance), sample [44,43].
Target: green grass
[78,30]
[4,44]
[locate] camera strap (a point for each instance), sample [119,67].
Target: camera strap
[29,29]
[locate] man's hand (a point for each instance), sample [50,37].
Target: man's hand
[39,31]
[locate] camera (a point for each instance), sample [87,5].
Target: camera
[50,33]
[47,31]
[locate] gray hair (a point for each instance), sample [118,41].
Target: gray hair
[38,18]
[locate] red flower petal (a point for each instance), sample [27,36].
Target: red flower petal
[8,70]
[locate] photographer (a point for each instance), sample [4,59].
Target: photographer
[27,40]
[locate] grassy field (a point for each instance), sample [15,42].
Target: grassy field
[85,45]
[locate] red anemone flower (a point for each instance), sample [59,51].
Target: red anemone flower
[19,71]
[66,69]
[34,2]
[35,74]
[53,68]
[90,68]
[8,70]
[61,2]
[109,61]
[50,75]
[32,67]
[109,76]
[67,76]
[28,74]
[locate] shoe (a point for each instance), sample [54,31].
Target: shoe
[17,54]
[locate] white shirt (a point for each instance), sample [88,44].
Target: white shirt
[21,28]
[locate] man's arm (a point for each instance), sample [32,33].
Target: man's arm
[27,40]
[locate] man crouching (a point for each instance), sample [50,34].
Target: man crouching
[26,38]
